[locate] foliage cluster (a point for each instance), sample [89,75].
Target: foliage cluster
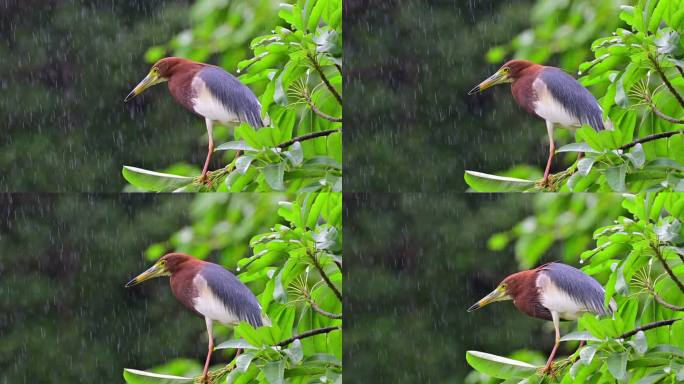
[640,258]
[295,269]
[638,74]
[300,68]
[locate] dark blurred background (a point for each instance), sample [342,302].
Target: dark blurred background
[66,66]
[409,65]
[416,262]
[65,316]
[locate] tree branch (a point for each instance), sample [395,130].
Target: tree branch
[665,304]
[306,334]
[308,136]
[651,138]
[320,310]
[318,112]
[667,268]
[324,276]
[648,326]
[324,78]
[669,86]
[666,117]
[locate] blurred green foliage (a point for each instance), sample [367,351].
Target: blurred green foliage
[293,267]
[639,257]
[297,66]
[637,73]
[561,30]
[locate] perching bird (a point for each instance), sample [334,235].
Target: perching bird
[553,291]
[550,94]
[207,91]
[209,290]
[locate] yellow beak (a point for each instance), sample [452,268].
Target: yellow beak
[498,294]
[152,272]
[497,78]
[149,80]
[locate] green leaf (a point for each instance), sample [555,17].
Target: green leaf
[274,371]
[615,177]
[585,164]
[637,156]
[242,163]
[482,182]
[235,344]
[235,145]
[134,376]
[498,366]
[154,181]
[577,147]
[579,336]
[617,365]
[274,175]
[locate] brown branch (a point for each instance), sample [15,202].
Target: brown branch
[680,69]
[669,86]
[648,326]
[324,78]
[308,136]
[324,276]
[666,117]
[656,136]
[665,304]
[318,112]
[320,310]
[667,268]
[339,68]
[306,334]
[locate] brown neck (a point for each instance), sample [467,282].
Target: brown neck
[522,287]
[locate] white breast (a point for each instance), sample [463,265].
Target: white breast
[209,106]
[558,301]
[548,108]
[211,306]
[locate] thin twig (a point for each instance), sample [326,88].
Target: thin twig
[317,111]
[324,78]
[668,269]
[306,334]
[665,117]
[320,310]
[665,304]
[308,136]
[339,68]
[669,86]
[651,138]
[680,69]
[648,326]
[324,276]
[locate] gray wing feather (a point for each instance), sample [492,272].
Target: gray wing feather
[233,293]
[578,285]
[576,99]
[234,95]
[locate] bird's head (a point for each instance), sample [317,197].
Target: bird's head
[165,266]
[160,72]
[499,294]
[508,73]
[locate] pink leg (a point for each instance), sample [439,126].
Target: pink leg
[210,150]
[205,372]
[552,149]
[556,325]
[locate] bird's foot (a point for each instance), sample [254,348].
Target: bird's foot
[204,179]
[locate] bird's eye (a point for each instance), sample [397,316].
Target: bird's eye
[504,286]
[163,262]
[505,70]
